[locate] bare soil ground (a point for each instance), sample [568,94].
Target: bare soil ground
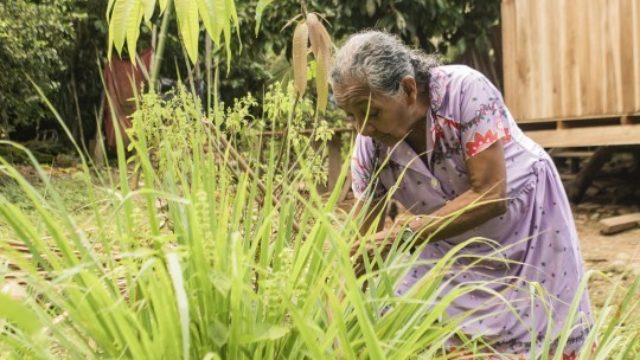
[616,256]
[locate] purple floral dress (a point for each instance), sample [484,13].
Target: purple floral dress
[467,116]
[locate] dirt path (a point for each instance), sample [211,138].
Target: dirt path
[617,256]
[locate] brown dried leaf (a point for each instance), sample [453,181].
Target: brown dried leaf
[321,46]
[318,35]
[323,63]
[300,49]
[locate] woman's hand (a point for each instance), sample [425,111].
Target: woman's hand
[382,242]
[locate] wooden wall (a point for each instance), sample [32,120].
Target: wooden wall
[571,59]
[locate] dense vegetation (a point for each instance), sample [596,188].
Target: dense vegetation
[223,248]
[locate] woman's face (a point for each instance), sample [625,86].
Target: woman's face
[389,117]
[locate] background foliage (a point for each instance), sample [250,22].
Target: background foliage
[60,44]
[57,44]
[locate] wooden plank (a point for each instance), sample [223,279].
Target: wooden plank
[596,58]
[567,59]
[523,59]
[572,154]
[509,49]
[567,177]
[620,223]
[635,38]
[588,136]
[627,87]
[536,49]
[578,118]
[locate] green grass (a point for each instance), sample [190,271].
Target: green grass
[223,271]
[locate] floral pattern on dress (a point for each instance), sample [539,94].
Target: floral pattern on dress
[480,142]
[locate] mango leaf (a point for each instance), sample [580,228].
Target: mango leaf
[189,25]
[262,4]
[149,8]
[122,12]
[229,17]
[133,28]
[207,13]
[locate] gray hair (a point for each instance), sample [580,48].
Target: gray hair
[380,60]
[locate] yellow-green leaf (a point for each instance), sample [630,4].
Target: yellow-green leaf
[133,28]
[122,10]
[220,19]
[18,314]
[207,13]
[262,4]
[189,25]
[149,8]
[300,49]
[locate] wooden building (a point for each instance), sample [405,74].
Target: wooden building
[572,70]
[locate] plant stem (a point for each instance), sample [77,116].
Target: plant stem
[158,56]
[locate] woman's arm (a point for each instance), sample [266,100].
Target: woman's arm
[485,199]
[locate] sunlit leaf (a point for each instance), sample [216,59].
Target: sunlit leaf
[149,8]
[189,25]
[133,28]
[262,4]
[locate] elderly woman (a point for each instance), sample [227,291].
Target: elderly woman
[442,139]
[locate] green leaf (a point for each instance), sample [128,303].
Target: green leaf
[262,4]
[206,9]
[133,28]
[18,314]
[189,25]
[118,23]
[175,270]
[262,333]
[149,8]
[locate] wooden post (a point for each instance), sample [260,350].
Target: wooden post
[585,176]
[625,120]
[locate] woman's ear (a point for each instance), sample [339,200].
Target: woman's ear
[408,84]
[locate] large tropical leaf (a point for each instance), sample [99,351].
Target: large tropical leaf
[126,16]
[189,25]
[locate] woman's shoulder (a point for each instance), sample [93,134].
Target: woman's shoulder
[447,84]
[455,73]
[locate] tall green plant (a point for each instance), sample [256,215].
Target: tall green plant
[218,17]
[228,276]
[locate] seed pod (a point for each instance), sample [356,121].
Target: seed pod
[321,47]
[300,49]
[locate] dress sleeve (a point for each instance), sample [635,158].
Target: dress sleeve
[364,181]
[483,116]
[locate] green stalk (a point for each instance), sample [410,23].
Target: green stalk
[159,53]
